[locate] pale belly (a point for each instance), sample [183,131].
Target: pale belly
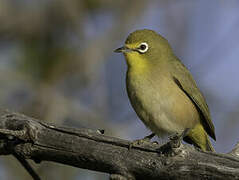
[164,108]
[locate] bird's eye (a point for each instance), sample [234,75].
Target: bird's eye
[143,47]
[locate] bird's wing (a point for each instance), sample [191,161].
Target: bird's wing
[183,78]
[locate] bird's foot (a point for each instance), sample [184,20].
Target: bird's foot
[172,148]
[140,142]
[176,139]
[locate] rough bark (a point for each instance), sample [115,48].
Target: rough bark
[90,149]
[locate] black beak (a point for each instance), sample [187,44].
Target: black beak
[122,50]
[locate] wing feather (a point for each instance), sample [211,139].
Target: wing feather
[183,78]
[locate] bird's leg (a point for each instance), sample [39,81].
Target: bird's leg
[175,139]
[149,137]
[139,142]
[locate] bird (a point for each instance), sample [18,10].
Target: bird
[163,92]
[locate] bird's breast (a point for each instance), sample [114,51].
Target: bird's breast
[160,103]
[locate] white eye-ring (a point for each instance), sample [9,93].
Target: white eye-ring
[143,48]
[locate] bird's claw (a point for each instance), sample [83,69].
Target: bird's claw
[141,142]
[175,139]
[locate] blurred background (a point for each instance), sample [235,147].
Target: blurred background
[57,64]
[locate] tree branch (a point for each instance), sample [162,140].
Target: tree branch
[84,148]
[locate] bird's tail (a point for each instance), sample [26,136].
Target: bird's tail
[198,137]
[209,146]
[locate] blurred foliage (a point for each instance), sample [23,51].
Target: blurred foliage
[58,59]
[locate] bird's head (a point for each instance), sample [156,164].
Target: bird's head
[143,48]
